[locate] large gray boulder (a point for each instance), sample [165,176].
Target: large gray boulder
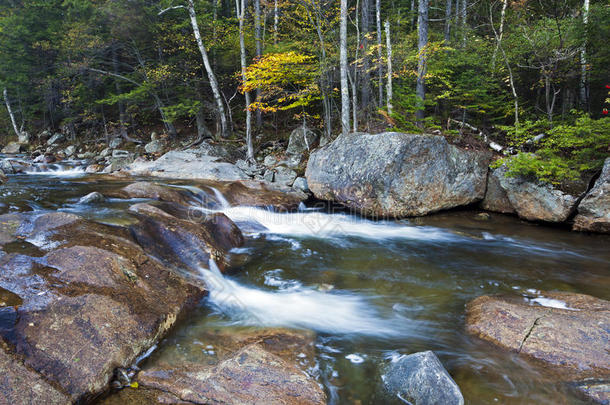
[396,174]
[188,164]
[421,379]
[529,198]
[12,148]
[594,209]
[301,140]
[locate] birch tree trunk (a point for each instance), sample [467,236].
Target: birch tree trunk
[583,59]
[422,42]
[464,15]
[343,69]
[117,88]
[366,60]
[10,112]
[353,78]
[379,52]
[211,76]
[510,71]
[389,67]
[500,33]
[276,20]
[259,51]
[448,11]
[240,10]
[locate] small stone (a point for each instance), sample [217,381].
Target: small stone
[420,378]
[270,161]
[70,150]
[115,143]
[483,216]
[301,184]
[56,139]
[155,146]
[94,197]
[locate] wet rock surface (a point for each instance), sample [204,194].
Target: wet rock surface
[420,378]
[245,367]
[594,209]
[91,303]
[568,340]
[396,174]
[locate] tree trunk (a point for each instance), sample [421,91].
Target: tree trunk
[510,71]
[241,15]
[211,76]
[353,78]
[276,20]
[202,130]
[448,11]
[343,69]
[422,42]
[584,96]
[117,88]
[10,113]
[389,67]
[464,15]
[259,52]
[500,33]
[365,75]
[379,52]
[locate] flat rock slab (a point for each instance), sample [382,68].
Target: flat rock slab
[395,174]
[189,164]
[260,366]
[572,343]
[91,301]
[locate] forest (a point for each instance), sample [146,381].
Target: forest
[517,76]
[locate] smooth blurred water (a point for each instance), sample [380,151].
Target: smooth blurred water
[371,290]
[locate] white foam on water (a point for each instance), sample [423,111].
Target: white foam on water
[297,308]
[322,225]
[355,358]
[58,171]
[548,302]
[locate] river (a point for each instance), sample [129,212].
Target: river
[370,290]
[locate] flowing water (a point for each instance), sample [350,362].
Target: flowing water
[370,290]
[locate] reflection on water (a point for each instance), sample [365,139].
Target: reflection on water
[370,290]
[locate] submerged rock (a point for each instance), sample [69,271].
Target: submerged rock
[395,174]
[421,379]
[529,199]
[594,209]
[568,337]
[93,302]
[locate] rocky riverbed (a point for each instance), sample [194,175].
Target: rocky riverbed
[317,305]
